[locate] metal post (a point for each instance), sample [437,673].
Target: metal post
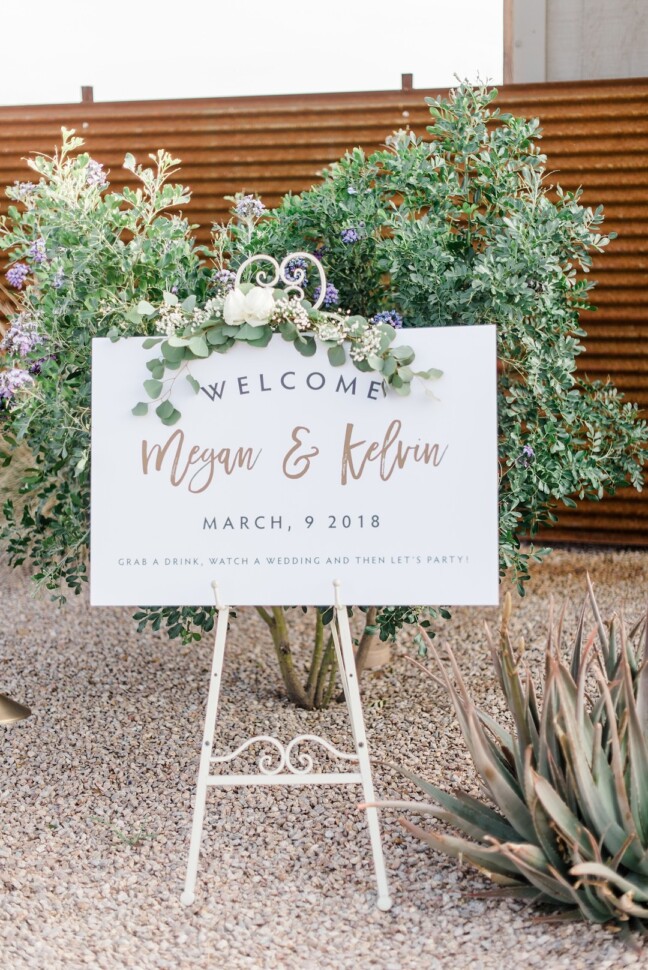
[354,704]
[188,895]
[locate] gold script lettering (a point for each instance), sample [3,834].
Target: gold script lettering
[303,460]
[182,464]
[391,453]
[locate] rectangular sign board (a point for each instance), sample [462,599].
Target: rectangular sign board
[285,473]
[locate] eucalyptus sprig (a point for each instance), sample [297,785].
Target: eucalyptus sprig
[194,333]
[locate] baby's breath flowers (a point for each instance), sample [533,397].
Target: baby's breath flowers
[367,345]
[170,320]
[291,311]
[334,328]
[213,308]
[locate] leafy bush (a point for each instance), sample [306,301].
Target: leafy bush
[82,259]
[455,230]
[85,262]
[569,779]
[462,229]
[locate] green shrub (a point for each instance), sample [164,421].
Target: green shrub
[90,256]
[456,230]
[463,229]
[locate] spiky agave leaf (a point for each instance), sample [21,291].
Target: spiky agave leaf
[570,782]
[488,859]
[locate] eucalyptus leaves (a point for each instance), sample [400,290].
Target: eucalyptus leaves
[252,314]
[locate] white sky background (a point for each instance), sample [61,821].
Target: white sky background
[137,49]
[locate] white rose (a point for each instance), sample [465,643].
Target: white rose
[234,308]
[259,304]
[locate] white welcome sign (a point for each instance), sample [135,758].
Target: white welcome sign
[286,473]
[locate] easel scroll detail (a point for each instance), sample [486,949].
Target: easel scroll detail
[303,763]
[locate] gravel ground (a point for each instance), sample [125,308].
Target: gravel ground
[96,800]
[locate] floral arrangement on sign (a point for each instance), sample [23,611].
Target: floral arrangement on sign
[455,229]
[252,314]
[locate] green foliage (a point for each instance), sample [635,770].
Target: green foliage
[107,264]
[457,229]
[569,776]
[102,253]
[461,229]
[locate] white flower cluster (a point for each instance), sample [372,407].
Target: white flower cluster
[291,311]
[214,307]
[335,328]
[170,320]
[367,345]
[254,307]
[198,317]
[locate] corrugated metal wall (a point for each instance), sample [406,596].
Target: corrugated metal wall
[595,134]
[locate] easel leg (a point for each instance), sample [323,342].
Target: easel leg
[348,674]
[188,895]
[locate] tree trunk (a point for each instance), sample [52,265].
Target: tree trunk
[319,689]
[276,622]
[369,637]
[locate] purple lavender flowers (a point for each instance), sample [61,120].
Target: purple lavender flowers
[37,366]
[527,456]
[37,250]
[17,274]
[224,279]
[249,207]
[12,381]
[95,175]
[391,317]
[22,336]
[295,271]
[23,189]
[349,236]
[331,295]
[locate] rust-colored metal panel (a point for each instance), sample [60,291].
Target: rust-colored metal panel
[595,134]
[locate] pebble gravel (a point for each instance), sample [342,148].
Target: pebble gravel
[97,791]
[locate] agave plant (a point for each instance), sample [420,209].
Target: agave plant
[570,780]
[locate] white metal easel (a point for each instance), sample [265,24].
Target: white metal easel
[286,771]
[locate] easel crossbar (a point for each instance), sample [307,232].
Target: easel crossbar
[312,778]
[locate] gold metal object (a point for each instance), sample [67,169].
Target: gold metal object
[11,711]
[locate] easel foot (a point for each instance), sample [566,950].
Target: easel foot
[188,898]
[384,903]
